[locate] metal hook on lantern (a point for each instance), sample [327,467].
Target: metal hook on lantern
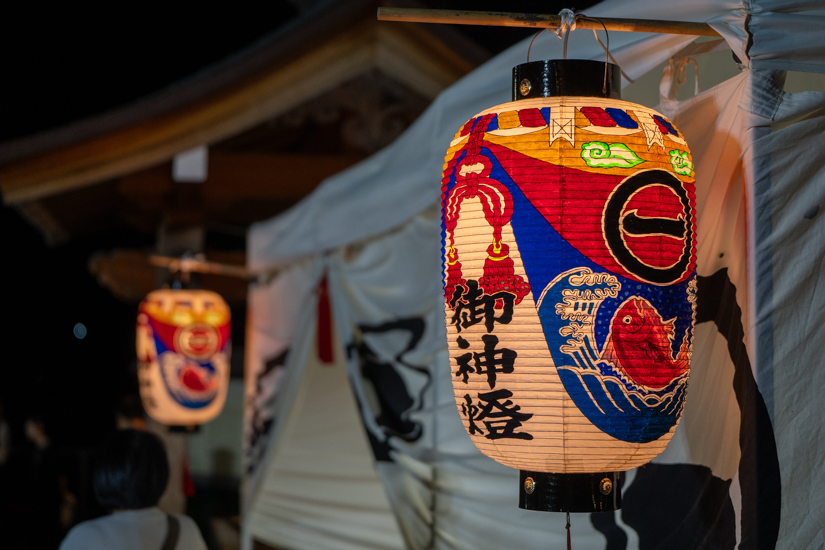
[187,263]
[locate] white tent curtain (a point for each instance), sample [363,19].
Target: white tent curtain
[279,320]
[744,466]
[309,478]
[403,179]
[444,492]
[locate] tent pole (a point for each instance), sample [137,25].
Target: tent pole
[502,19]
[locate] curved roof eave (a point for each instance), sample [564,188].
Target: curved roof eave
[226,98]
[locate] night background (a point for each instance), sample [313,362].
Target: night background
[69,62]
[65,62]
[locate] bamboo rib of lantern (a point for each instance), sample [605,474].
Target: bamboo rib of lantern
[542,21]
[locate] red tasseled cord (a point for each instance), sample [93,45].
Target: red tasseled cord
[568,531]
[188,483]
[324,323]
[454,276]
[499,274]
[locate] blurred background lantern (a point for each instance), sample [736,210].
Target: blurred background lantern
[183,348]
[569,276]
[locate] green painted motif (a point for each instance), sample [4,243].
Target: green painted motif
[681,163]
[616,155]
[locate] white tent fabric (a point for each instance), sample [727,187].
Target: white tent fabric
[277,312]
[444,492]
[310,480]
[402,180]
[390,187]
[787,35]
[745,463]
[784,172]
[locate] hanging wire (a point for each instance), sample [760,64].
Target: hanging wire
[606,49]
[530,47]
[567,23]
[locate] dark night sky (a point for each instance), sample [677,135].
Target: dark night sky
[67,61]
[60,64]
[63,62]
[74,60]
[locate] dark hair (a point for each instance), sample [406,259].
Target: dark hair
[131,406]
[130,471]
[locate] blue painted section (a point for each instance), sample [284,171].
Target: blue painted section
[180,398]
[621,118]
[545,112]
[664,122]
[608,398]
[611,401]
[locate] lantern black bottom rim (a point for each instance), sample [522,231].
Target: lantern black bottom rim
[575,493]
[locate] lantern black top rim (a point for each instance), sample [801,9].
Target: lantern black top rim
[566,77]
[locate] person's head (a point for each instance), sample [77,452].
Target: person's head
[130,471]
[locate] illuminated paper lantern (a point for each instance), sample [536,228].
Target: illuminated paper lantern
[569,282]
[183,348]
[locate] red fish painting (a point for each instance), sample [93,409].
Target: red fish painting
[639,343]
[197,378]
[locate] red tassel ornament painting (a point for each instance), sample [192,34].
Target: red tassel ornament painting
[569,281]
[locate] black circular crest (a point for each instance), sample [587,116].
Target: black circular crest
[614,225]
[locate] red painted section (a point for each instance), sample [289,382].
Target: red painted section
[325,353]
[598,117]
[531,118]
[662,127]
[573,202]
[639,343]
[467,127]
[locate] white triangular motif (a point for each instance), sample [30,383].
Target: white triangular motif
[651,129]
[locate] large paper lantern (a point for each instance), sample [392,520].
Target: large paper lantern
[569,282]
[183,349]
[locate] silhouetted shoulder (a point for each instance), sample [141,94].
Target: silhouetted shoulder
[143,529]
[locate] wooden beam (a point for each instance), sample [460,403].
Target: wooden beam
[540,21]
[231,111]
[208,121]
[236,176]
[39,216]
[130,274]
[249,175]
[201,266]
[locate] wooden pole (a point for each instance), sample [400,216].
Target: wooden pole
[539,21]
[200,266]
